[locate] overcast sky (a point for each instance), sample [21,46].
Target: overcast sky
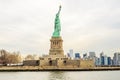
[87,25]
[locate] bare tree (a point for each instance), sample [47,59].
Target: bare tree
[8,57]
[30,57]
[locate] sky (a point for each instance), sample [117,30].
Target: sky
[86,25]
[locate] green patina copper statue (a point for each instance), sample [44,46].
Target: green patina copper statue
[57,26]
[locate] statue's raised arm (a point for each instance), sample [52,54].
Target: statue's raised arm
[59,9]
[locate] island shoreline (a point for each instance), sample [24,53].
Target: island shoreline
[38,69]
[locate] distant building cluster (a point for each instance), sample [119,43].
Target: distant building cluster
[102,60]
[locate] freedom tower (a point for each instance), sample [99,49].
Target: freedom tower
[56,46]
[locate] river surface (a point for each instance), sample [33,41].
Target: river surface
[61,75]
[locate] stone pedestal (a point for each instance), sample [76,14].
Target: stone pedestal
[56,46]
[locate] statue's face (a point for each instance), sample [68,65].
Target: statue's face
[56,15]
[60,6]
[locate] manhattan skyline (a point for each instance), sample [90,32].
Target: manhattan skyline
[27,25]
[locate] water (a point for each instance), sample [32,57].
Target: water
[61,75]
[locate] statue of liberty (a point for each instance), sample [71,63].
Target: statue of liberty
[57,26]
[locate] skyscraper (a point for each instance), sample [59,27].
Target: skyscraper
[92,55]
[85,56]
[71,53]
[77,55]
[109,61]
[105,60]
[102,58]
[116,58]
[96,61]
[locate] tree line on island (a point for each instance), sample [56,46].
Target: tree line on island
[13,57]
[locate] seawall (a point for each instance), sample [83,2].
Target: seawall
[36,68]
